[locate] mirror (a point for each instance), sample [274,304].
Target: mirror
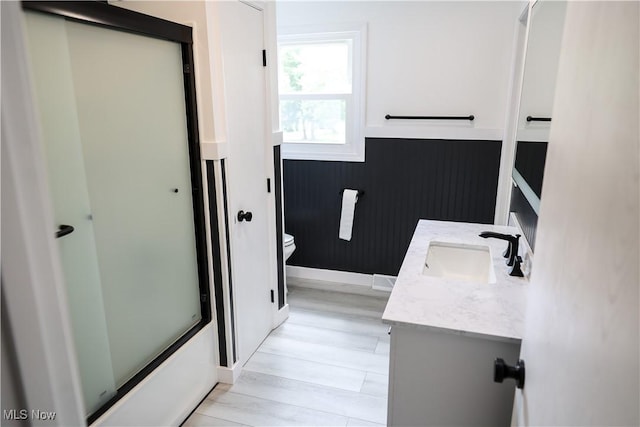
[535,113]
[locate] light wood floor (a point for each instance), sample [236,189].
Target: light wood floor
[327,365]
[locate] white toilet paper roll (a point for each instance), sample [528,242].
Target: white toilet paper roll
[349,199]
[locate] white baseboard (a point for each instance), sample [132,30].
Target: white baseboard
[229,375]
[383,282]
[281,316]
[294,272]
[337,281]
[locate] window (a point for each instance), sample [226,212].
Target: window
[321,83]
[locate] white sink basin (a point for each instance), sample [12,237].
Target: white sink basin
[459,261]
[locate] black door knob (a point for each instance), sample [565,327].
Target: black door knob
[501,371]
[245,216]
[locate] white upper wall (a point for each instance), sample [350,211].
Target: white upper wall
[427,58]
[193,14]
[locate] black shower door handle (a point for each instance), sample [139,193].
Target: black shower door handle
[63,230]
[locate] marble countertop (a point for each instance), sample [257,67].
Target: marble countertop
[494,311]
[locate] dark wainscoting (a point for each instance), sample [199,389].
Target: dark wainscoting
[530,160]
[217,265]
[404,180]
[277,176]
[527,217]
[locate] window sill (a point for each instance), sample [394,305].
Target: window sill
[323,152]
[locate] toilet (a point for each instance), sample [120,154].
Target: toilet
[289,246]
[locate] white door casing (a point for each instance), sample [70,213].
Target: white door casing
[581,341]
[242,29]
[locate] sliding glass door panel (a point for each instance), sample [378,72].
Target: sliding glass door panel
[114,124]
[56,102]
[131,108]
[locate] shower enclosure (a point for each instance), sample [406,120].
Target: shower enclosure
[116,103]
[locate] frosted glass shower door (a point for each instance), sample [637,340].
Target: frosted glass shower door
[131,108]
[112,105]
[56,102]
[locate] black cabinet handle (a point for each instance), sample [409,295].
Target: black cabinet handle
[245,216]
[501,371]
[63,230]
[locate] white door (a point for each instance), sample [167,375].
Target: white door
[580,345]
[245,98]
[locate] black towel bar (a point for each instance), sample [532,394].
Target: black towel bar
[538,119]
[469,117]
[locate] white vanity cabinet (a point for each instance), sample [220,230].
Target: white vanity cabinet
[447,331]
[446,379]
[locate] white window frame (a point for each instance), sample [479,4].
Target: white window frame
[353,149]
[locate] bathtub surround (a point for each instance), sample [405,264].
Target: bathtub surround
[404,180]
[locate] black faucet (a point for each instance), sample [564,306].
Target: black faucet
[511,252]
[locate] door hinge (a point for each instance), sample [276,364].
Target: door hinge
[264,57]
[273,296]
[203,297]
[268,185]
[186,69]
